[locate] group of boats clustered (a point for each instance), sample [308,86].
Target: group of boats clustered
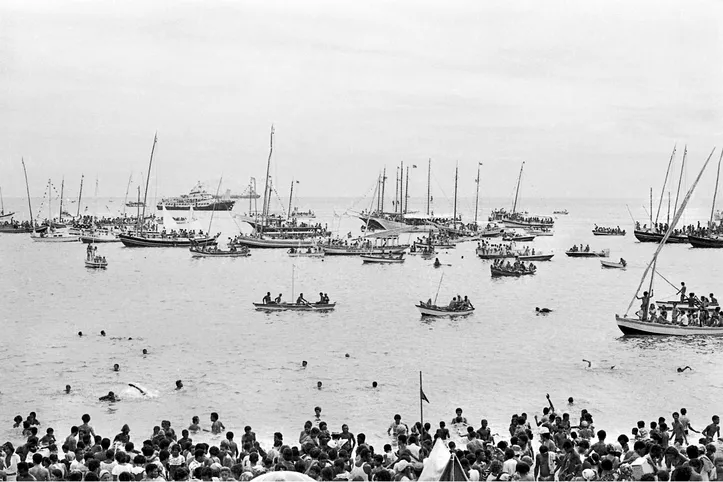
[301,236]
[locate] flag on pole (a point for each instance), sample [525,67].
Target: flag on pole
[414,166]
[422,396]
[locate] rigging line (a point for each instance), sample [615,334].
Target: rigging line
[666,280]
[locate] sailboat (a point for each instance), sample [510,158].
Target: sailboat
[712,238]
[52,234]
[95,235]
[515,219]
[16,227]
[284,306]
[141,238]
[3,214]
[452,310]
[645,324]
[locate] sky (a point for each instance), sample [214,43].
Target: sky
[591,95]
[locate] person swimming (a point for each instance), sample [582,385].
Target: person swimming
[109,398]
[80,333]
[67,389]
[179,384]
[145,352]
[374,384]
[102,332]
[304,363]
[318,385]
[116,367]
[543,311]
[437,264]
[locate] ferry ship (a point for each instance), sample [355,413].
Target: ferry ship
[198,199]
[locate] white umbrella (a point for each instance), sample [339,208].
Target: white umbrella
[284,475]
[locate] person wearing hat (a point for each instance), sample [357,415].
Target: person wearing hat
[546,439]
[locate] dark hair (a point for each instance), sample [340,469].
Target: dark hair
[125,477]
[606,464]
[92,476]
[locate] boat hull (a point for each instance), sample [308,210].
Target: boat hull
[521,239]
[536,257]
[649,237]
[91,239]
[54,239]
[499,273]
[634,327]
[705,242]
[599,233]
[197,253]
[200,206]
[271,243]
[94,265]
[441,312]
[588,254]
[612,265]
[332,251]
[134,241]
[294,307]
[381,259]
[8,229]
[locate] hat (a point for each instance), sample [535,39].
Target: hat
[544,430]
[517,449]
[401,465]
[583,423]
[588,474]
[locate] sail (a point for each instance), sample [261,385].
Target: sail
[436,463]
[169,224]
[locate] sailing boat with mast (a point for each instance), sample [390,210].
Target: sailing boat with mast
[142,238]
[645,323]
[458,308]
[3,214]
[52,234]
[94,234]
[515,219]
[713,238]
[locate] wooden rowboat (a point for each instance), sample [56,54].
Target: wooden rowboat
[588,254]
[612,264]
[294,306]
[435,310]
[536,257]
[382,258]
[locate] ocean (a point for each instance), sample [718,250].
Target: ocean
[195,317]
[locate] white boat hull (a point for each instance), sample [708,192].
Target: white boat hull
[611,264]
[381,260]
[432,311]
[631,326]
[294,307]
[54,239]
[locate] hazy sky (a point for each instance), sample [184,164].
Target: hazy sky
[591,94]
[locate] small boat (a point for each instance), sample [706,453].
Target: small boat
[434,310]
[634,326]
[588,254]
[523,238]
[306,253]
[95,236]
[563,212]
[53,236]
[156,240]
[97,262]
[612,264]
[653,237]
[258,241]
[356,250]
[3,214]
[705,241]
[540,231]
[498,271]
[214,252]
[294,306]
[608,232]
[383,258]
[536,257]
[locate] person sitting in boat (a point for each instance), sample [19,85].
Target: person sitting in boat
[622,262]
[326,298]
[453,303]
[321,298]
[277,300]
[587,248]
[466,304]
[300,300]
[267,298]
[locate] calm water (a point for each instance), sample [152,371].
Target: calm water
[195,318]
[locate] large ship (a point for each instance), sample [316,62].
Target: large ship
[198,199]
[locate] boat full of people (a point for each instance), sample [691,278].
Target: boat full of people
[54,236]
[94,236]
[457,307]
[518,237]
[258,240]
[93,260]
[17,227]
[383,258]
[213,251]
[585,252]
[531,254]
[487,250]
[520,219]
[268,304]
[504,268]
[163,239]
[605,231]
[646,235]
[309,252]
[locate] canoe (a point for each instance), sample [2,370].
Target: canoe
[96,264]
[636,327]
[535,257]
[435,245]
[383,259]
[612,264]
[651,237]
[294,306]
[442,311]
[588,254]
[269,242]
[705,241]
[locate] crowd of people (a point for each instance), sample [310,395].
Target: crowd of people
[604,230]
[503,214]
[486,249]
[517,267]
[543,448]
[691,310]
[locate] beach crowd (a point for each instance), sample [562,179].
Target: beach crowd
[544,448]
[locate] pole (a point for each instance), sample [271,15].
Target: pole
[264,209]
[396,191]
[421,407]
[50,202]
[429,179]
[384,182]
[62,190]
[401,189]
[456,169]
[27,188]
[715,192]
[476,199]
[680,179]
[651,208]
[80,193]
[138,206]
[291,196]
[379,193]
[440,280]
[665,182]
[406,196]
[213,210]
[517,191]
[125,201]
[148,180]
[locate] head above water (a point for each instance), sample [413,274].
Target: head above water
[116,367]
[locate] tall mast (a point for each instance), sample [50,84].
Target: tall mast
[517,191]
[456,169]
[95,209]
[651,208]
[213,210]
[406,193]
[715,192]
[138,206]
[429,178]
[476,199]
[50,199]
[291,196]
[267,194]
[667,218]
[125,201]
[384,182]
[62,187]
[665,182]
[401,189]
[396,191]
[27,188]
[680,179]
[379,192]
[80,195]
[2,202]
[148,180]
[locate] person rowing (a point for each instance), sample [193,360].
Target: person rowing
[300,300]
[267,298]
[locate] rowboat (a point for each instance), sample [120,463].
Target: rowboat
[588,254]
[214,252]
[436,244]
[306,253]
[564,211]
[523,238]
[536,257]
[270,242]
[634,326]
[496,254]
[612,264]
[91,237]
[497,272]
[652,237]
[356,251]
[294,306]
[608,233]
[97,263]
[382,258]
[434,310]
[541,231]
[54,237]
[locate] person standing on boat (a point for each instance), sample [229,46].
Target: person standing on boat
[645,303]
[682,291]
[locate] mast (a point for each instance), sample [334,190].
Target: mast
[651,208]
[138,205]
[148,180]
[517,191]
[267,194]
[50,199]
[95,210]
[2,202]
[80,194]
[680,179]
[406,193]
[667,218]
[125,201]
[379,192]
[27,188]
[62,186]
[456,169]
[291,196]
[715,192]
[401,189]
[665,182]
[384,182]
[213,210]
[429,179]
[396,191]
[476,199]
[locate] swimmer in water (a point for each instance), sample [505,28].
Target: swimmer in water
[145,352]
[80,333]
[681,370]
[179,384]
[67,389]
[109,398]
[318,385]
[102,332]
[116,367]
[437,264]
[543,311]
[142,392]
[570,401]
[589,363]
[303,364]
[374,384]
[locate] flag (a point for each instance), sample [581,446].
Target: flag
[422,396]
[414,166]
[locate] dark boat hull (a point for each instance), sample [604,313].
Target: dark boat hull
[648,237]
[705,242]
[134,241]
[215,206]
[8,229]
